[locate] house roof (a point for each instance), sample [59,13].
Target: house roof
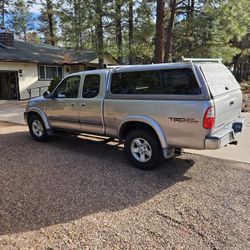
[44,54]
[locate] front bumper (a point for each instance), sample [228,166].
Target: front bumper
[224,136]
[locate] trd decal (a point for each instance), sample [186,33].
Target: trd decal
[181,120]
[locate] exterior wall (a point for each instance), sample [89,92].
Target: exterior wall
[107,60]
[68,69]
[28,75]
[27,79]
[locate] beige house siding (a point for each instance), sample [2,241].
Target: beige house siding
[27,76]
[107,60]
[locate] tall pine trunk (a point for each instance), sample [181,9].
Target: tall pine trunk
[159,36]
[118,30]
[50,21]
[190,8]
[169,34]
[99,27]
[248,68]
[2,8]
[25,34]
[131,31]
[190,16]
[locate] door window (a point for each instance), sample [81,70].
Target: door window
[91,86]
[68,88]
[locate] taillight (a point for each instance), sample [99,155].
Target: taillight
[209,118]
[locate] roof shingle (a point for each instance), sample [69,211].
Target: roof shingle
[45,54]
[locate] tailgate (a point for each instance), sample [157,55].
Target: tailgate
[225,91]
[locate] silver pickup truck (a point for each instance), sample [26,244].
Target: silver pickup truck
[156,110]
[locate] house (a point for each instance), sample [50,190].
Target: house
[26,69]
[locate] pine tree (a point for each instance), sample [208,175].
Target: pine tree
[99,28]
[4,5]
[47,27]
[143,32]
[118,29]
[21,18]
[159,36]
[169,33]
[130,30]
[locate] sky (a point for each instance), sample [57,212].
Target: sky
[35,8]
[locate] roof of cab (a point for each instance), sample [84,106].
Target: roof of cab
[96,71]
[150,66]
[188,64]
[126,68]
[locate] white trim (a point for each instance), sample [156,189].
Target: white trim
[45,76]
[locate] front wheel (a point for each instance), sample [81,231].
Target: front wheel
[143,149]
[37,128]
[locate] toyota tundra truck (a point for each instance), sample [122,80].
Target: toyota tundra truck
[155,110]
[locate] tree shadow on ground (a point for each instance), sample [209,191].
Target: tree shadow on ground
[44,184]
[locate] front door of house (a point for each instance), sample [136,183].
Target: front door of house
[9,88]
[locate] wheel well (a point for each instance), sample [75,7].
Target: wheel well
[30,114]
[129,126]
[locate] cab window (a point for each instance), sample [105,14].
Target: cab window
[68,88]
[91,86]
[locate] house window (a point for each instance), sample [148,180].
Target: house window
[46,72]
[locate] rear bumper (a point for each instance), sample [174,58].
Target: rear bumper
[225,135]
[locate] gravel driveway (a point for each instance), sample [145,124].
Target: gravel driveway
[69,194]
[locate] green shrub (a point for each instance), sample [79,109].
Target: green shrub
[54,83]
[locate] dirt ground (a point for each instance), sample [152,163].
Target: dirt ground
[68,194]
[246,103]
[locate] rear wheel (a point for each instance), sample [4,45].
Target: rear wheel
[143,149]
[37,128]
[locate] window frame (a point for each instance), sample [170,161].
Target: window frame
[200,96]
[79,88]
[100,86]
[49,66]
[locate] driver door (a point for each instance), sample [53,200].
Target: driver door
[63,109]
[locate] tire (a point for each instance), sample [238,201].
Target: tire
[143,142]
[37,128]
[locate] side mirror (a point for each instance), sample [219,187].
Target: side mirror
[47,95]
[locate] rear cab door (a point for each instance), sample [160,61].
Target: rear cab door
[91,102]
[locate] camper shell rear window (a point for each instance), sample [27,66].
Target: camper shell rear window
[219,78]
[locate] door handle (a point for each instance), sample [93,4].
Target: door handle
[72,104]
[83,104]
